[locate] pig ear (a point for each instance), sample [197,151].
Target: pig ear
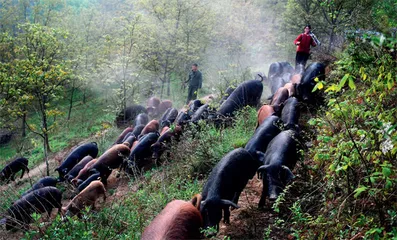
[262,170]
[3,221]
[290,175]
[229,203]
[196,201]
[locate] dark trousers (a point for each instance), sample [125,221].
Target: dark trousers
[192,93]
[301,58]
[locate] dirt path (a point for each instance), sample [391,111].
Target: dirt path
[249,222]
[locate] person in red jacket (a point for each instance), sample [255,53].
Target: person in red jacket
[303,42]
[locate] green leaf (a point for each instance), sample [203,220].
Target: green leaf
[386,171]
[359,190]
[343,81]
[351,84]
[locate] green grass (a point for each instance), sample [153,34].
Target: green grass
[86,120]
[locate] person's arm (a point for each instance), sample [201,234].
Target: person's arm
[188,79]
[298,40]
[313,43]
[200,80]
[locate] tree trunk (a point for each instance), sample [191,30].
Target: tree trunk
[331,39]
[46,147]
[44,124]
[162,89]
[71,102]
[168,86]
[24,123]
[84,100]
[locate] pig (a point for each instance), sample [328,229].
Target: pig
[76,156]
[168,117]
[42,182]
[296,79]
[111,159]
[307,84]
[141,119]
[247,93]
[278,160]
[227,93]
[152,105]
[160,145]
[38,201]
[86,197]
[164,105]
[225,184]
[10,170]
[83,173]
[130,140]
[269,128]
[193,106]
[152,126]
[141,151]
[182,118]
[121,137]
[279,97]
[128,114]
[264,112]
[201,113]
[291,89]
[76,169]
[290,114]
[279,74]
[138,130]
[178,220]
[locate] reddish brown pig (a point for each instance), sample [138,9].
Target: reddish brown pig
[164,105]
[122,135]
[291,89]
[87,197]
[296,78]
[165,129]
[264,112]
[152,126]
[84,173]
[279,97]
[178,220]
[152,104]
[111,159]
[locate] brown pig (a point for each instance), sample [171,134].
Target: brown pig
[152,126]
[87,197]
[111,159]
[84,173]
[178,220]
[291,89]
[279,97]
[264,112]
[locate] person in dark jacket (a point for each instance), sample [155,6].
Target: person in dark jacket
[195,82]
[303,42]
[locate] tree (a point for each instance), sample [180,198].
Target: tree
[36,78]
[175,34]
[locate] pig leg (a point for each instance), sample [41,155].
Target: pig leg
[236,197]
[226,215]
[23,172]
[263,197]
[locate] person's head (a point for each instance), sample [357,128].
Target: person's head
[194,67]
[307,29]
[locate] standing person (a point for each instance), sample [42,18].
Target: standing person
[303,42]
[195,82]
